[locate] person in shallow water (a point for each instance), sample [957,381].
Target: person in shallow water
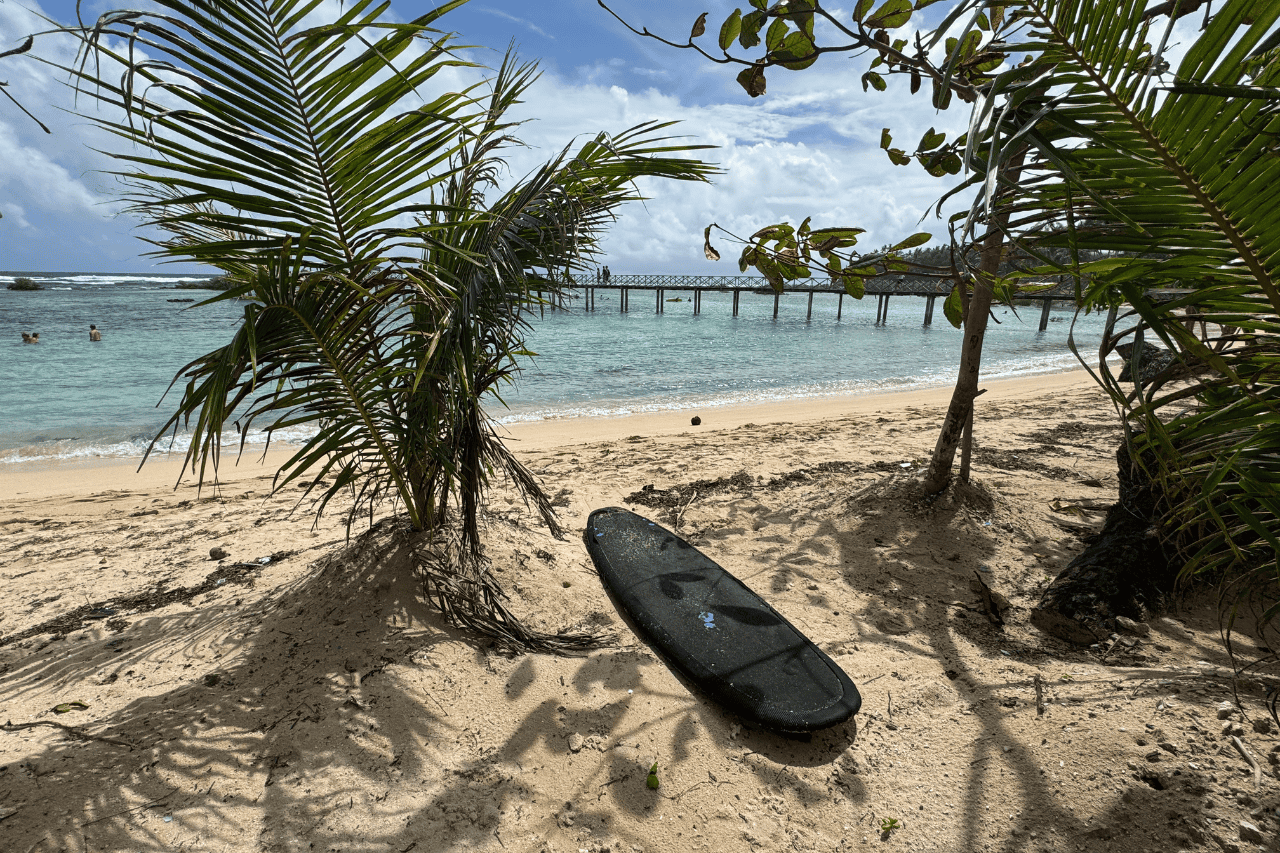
[94,334]
[31,339]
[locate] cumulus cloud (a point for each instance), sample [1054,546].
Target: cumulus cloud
[14,215]
[810,147]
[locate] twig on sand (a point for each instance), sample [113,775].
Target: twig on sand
[680,515]
[1253,762]
[1039,682]
[156,801]
[70,730]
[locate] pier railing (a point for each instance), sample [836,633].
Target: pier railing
[881,287]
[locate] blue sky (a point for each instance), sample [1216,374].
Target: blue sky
[808,148]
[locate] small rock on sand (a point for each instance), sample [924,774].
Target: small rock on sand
[217,552]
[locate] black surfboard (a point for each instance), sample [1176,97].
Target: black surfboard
[715,631]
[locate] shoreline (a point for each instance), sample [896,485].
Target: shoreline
[555,432]
[46,478]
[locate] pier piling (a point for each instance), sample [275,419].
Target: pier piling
[1044,315]
[776,297]
[928,310]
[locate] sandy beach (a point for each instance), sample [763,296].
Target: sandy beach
[299,695]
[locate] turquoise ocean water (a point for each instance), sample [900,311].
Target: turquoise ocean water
[68,398]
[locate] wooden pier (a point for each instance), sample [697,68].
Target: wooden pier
[881,287]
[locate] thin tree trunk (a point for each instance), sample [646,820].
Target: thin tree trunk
[961,408]
[975,329]
[966,446]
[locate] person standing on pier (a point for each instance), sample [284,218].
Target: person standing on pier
[606,275]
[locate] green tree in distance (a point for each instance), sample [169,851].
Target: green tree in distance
[785,35]
[354,202]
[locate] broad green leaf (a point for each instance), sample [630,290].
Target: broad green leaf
[769,268]
[918,239]
[941,163]
[854,286]
[798,52]
[843,233]
[751,24]
[931,140]
[885,138]
[941,95]
[875,80]
[781,231]
[730,29]
[862,8]
[953,309]
[899,157]
[776,33]
[891,15]
[760,4]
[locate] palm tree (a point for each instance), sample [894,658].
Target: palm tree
[1172,175]
[387,276]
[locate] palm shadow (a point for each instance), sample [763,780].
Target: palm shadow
[287,692]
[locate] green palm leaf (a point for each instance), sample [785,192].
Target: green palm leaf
[387,277]
[1176,180]
[284,128]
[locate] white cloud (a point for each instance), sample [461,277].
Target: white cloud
[14,215]
[29,174]
[810,147]
[521,21]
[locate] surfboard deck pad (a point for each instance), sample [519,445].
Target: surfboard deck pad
[714,630]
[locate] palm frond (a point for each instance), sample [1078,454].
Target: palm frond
[281,127]
[1174,179]
[386,275]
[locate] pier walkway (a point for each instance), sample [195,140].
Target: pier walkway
[882,287]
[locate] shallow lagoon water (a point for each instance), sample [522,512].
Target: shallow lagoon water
[66,397]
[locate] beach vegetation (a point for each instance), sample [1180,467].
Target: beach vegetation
[1166,172]
[348,177]
[785,36]
[1090,159]
[24,283]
